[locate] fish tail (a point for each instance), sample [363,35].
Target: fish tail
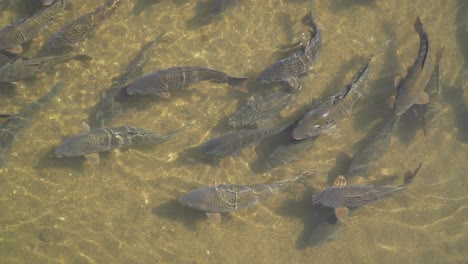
[308,19]
[239,83]
[304,177]
[418,26]
[409,176]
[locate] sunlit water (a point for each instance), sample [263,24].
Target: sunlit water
[124,210]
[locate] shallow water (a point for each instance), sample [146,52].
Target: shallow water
[124,210]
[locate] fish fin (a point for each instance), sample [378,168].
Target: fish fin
[342,214]
[16,49]
[84,127]
[93,157]
[397,82]
[5,115]
[333,132]
[409,176]
[418,25]
[238,83]
[214,217]
[164,94]
[422,99]
[268,122]
[340,181]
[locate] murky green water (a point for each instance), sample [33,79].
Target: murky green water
[124,210]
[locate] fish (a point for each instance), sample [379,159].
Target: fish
[13,35]
[162,81]
[135,67]
[23,69]
[410,90]
[261,109]
[15,124]
[109,108]
[80,29]
[220,6]
[324,115]
[93,141]
[298,63]
[232,142]
[373,150]
[223,198]
[342,196]
[428,113]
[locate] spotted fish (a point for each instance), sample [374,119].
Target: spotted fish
[81,28]
[23,69]
[261,109]
[162,81]
[224,198]
[12,36]
[91,142]
[342,196]
[297,64]
[219,6]
[16,123]
[410,90]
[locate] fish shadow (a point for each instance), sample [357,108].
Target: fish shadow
[379,91]
[342,163]
[174,211]
[7,89]
[454,97]
[313,217]
[462,30]
[48,160]
[202,16]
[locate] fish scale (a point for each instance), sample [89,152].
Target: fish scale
[230,197]
[26,29]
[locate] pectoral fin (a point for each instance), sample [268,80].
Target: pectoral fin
[422,99]
[84,127]
[340,181]
[16,49]
[164,94]
[342,214]
[214,217]
[397,82]
[93,158]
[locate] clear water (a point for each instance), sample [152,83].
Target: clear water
[124,210]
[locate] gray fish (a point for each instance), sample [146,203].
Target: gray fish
[373,150]
[326,229]
[297,64]
[326,114]
[342,196]
[261,109]
[16,123]
[91,142]
[219,6]
[81,28]
[12,36]
[410,90]
[135,67]
[23,69]
[224,198]
[162,81]
[232,142]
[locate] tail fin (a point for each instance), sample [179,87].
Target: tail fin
[238,83]
[418,26]
[409,176]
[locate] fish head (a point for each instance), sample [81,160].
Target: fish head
[146,85]
[200,199]
[306,130]
[69,148]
